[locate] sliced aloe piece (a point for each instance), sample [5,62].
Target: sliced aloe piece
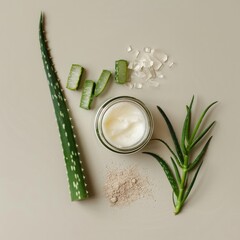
[74,76]
[87,94]
[121,71]
[102,82]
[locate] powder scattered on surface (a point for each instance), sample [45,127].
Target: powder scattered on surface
[124,186]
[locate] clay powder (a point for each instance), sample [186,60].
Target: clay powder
[124,186]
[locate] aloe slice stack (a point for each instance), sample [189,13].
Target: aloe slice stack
[121,71]
[74,77]
[102,82]
[87,94]
[74,168]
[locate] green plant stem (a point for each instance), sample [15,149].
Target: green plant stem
[180,197]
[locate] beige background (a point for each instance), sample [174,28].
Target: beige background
[202,37]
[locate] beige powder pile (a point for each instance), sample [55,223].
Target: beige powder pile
[123,186]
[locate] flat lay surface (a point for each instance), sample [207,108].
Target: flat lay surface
[201,40]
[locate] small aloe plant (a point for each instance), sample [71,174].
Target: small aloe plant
[182,156]
[74,168]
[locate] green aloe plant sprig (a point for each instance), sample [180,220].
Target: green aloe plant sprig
[76,178]
[181,159]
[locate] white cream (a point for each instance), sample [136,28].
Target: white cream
[124,124]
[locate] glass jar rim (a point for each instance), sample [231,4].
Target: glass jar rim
[148,119]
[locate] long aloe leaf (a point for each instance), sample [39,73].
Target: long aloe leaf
[173,134]
[177,174]
[200,155]
[168,147]
[167,171]
[174,204]
[185,131]
[74,168]
[186,127]
[200,121]
[202,134]
[189,120]
[192,183]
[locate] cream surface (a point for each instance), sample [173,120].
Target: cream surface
[124,124]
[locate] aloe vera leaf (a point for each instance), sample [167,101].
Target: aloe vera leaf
[189,119]
[74,76]
[192,183]
[167,171]
[200,155]
[173,135]
[202,134]
[186,127]
[76,178]
[184,132]
[200,121]
[87,94]
[174,155]
[177,174]
[121,71]
[102,82]
[174,204]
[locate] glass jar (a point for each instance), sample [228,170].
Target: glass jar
[124,124]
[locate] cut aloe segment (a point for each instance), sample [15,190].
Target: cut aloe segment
[87,94]
[74,76]
[121,70]
[102,82]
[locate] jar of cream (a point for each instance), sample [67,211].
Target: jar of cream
[124,124]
